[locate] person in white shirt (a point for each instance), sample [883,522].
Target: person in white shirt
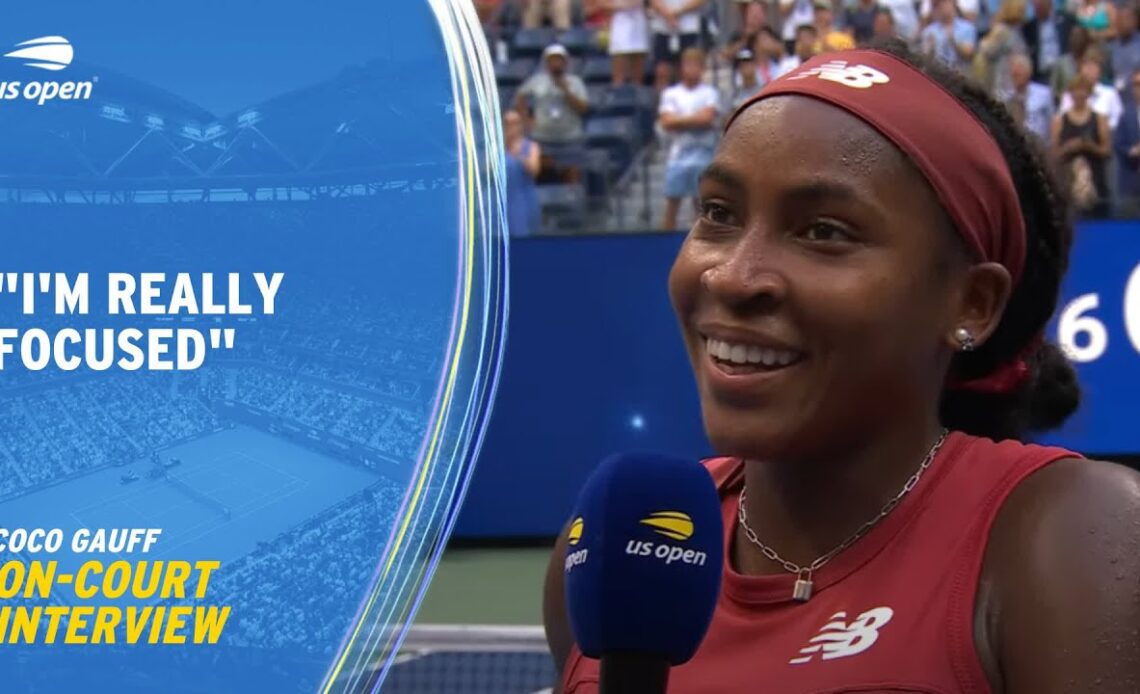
[1104,99]
[688,114]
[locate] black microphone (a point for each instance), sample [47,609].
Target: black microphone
[643,568]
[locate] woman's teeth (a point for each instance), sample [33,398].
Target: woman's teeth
[749,354]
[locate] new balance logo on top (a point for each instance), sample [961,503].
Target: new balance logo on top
[857,76]
[46,53]
[838,639]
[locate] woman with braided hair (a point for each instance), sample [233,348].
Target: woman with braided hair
[864,299]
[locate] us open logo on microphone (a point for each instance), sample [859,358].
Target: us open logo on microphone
[573,537]
[52,54]
[675,525]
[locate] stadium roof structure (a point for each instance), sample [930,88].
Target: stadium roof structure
[134,142]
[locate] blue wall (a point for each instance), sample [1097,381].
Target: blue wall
[595,365]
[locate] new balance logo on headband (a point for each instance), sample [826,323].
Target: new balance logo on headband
[856,76]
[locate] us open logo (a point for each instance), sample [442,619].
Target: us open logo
[675,525]
[50,53]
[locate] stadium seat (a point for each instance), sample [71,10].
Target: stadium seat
[614,101]
[515,72]
[597,70]
[531,42]
[607,131]
[580,41]
[563,206]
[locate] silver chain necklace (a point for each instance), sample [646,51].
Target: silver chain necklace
[803,589]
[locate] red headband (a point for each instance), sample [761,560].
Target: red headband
[947,142]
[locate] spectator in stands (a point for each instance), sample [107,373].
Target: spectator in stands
[904,16]
[795,13]
[754,19]
[884,27]
[1099,17]
[1068,65]
[807,38]
[676,26]
[1125,48]
[772,60]
[1082,144]
[747,78]
[1003,41]
[1030,103]
[524,159]
[597,14]
[1127,144]
[688,113]
[535,12]
[1104,99]
[557,98]
[1047,38]
[966,9]
[829,38]
[629,40]
[860,18]
[950,38]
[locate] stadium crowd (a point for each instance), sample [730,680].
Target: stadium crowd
[1068,70]
[323,567]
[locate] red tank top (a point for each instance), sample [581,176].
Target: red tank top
[894,613]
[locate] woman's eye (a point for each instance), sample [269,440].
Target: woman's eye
[717,214]
[826,232]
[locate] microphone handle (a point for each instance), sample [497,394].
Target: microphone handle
[633,673]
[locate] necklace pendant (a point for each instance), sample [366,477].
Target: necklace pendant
[802,591]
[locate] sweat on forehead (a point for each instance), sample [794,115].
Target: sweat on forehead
[802,123]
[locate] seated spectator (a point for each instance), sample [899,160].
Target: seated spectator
[676,26]
[535,12]
[1003,41]
[807,38]
[688,113]
[1104,99]
[1030,103]
[524,159]
[1125,48]
[904,16]
[747,79]
[1126,141]
[772,60]
[1047,38]
[966,9]
[795,14]
[884,26]
[629,40]
[557,98]
[1099,17]
[950,38]
[1081,143]
[860,19]
[829,38]
[1068,65]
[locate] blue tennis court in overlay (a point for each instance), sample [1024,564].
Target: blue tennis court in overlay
[228,491]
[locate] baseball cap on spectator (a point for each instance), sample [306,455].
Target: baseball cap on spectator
[555,49]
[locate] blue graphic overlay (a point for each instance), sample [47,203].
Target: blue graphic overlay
[251,317]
